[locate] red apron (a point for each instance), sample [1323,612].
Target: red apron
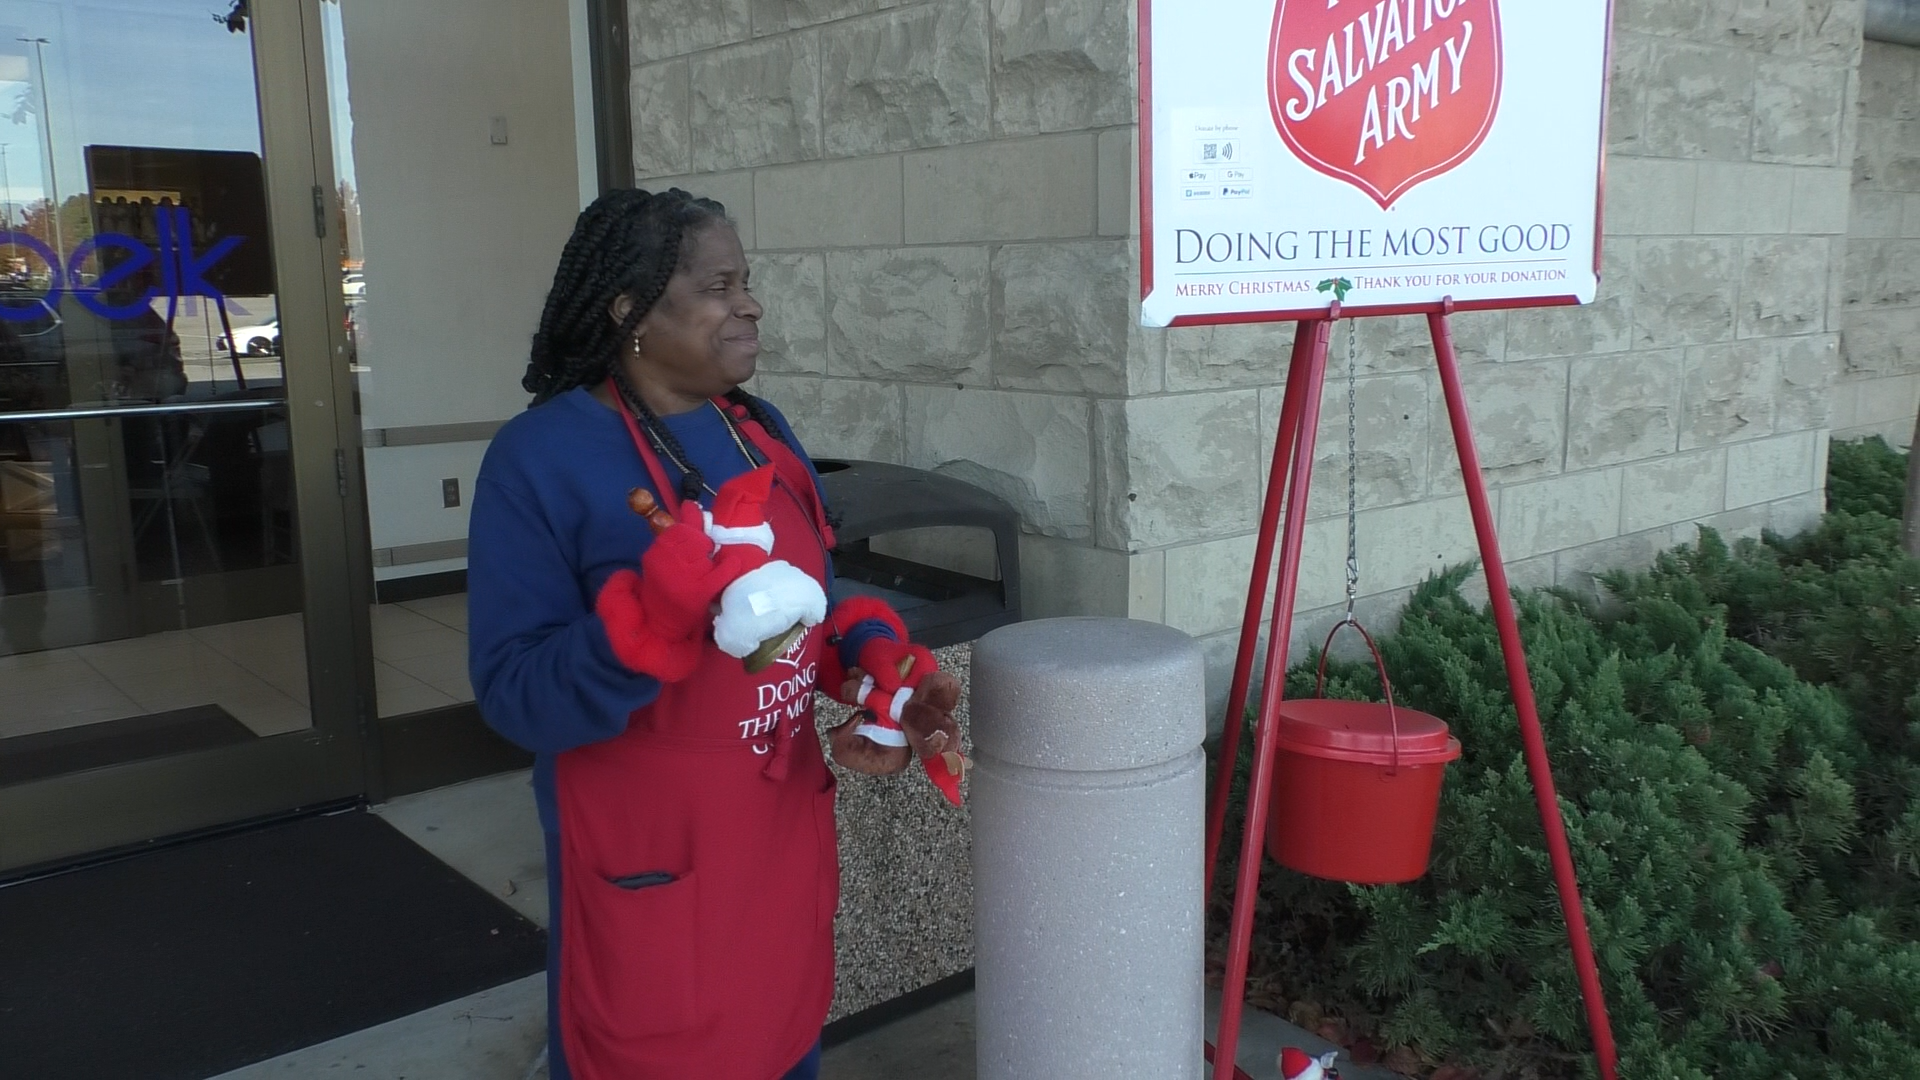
[699,871]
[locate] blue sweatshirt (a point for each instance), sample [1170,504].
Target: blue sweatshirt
[550,524]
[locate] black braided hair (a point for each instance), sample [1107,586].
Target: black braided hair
[757,412]
[627,243]
[691,481]
[660,434]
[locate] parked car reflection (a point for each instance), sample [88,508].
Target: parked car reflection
[178,493]
[261,339]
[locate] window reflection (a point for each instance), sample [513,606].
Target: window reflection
[148,549]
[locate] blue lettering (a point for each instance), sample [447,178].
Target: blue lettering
[183,271]
[139,256]
[192,281]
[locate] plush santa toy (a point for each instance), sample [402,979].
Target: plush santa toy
[773,601]
[880,712]
[896,687]
[769,603]
[1296,1064]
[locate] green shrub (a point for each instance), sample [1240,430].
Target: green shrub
[1708,802]
[1840,605]
[1736,741]
[1866,477]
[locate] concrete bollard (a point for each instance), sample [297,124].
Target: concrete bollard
[1088,801]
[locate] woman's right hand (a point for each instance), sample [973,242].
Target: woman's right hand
[679,579]
[657,619]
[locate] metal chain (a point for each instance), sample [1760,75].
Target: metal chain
[1353,467]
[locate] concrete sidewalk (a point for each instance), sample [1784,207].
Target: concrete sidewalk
[500,1035]
[486,829]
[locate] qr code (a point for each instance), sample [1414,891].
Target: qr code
[1216,151]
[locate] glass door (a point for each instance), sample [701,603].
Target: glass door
[177,629]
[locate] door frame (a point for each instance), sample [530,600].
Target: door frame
[64,817]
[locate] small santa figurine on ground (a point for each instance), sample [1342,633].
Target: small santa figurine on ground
[1296,1064]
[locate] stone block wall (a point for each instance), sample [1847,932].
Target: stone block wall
[1879,384]
[939,200]
[936,199]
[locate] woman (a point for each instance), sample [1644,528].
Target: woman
[688,810]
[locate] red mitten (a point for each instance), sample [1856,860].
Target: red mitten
[845,616]
[657,619]
[884,660]
[912,708]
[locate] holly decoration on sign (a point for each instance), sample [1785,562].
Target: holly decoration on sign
[1338,286]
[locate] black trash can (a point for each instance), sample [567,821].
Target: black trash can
[940,606]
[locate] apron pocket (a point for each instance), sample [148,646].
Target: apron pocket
[829,861]
[638,970]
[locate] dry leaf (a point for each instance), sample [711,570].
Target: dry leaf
[1405,1061]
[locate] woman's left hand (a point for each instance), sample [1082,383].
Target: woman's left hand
[928,716]
[861,754]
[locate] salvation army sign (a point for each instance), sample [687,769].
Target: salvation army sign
[1412,151]
[1350,111]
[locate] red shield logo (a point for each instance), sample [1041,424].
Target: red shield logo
[1384,94]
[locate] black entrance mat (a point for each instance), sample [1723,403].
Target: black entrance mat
[182,963]
[89,746]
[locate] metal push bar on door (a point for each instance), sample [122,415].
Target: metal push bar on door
[1292,469]
[108,412]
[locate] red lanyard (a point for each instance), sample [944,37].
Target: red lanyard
[669,496]
[775,452]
